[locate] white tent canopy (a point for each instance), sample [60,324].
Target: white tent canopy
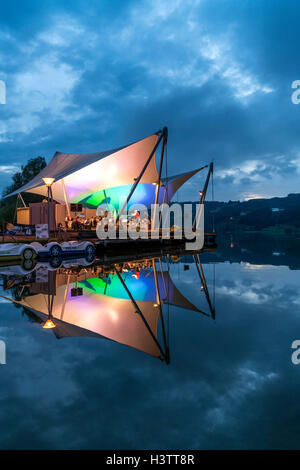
[173,183]
[78,176]
[112,317]
[84,174]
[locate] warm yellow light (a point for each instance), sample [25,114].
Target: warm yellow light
[49,324]
[48,181]
[155,305]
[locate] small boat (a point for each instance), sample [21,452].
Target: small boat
[14,251]
[25,267]
[11,253]
[71,248]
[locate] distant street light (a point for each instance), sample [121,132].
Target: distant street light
[48,182]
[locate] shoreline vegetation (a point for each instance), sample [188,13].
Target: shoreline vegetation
[273,216]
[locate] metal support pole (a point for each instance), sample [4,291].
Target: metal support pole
[162,133]
[203,193]
[159,173]
[163,278]
[158,300]
[23,202]
[160,215]
[140,312]
[210,172]
[66,198]
[203,282]
[65,297]
[212,309]
[107,206]
[48,210]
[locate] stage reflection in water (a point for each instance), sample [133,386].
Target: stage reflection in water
[127,302]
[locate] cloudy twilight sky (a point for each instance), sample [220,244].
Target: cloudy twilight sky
[85,76]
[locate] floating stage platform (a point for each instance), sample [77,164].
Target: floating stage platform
[110,245]
[143,244]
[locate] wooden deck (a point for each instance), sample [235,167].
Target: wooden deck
[90,235]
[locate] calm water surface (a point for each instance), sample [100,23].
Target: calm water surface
[230,382]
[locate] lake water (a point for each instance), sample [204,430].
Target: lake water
[230,382]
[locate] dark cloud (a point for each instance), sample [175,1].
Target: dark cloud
[88,78]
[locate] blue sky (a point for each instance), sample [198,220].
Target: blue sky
[87,76]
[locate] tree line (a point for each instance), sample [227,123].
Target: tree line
[21,177]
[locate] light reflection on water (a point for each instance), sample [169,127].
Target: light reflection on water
[230,382]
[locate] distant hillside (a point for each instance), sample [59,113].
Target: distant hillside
[278,214]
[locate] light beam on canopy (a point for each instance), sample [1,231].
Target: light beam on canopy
[105,311]
[143,289]
[100,315]
[85,174]
[96,178]
[144,193]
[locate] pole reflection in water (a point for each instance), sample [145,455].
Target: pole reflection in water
[125,302]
